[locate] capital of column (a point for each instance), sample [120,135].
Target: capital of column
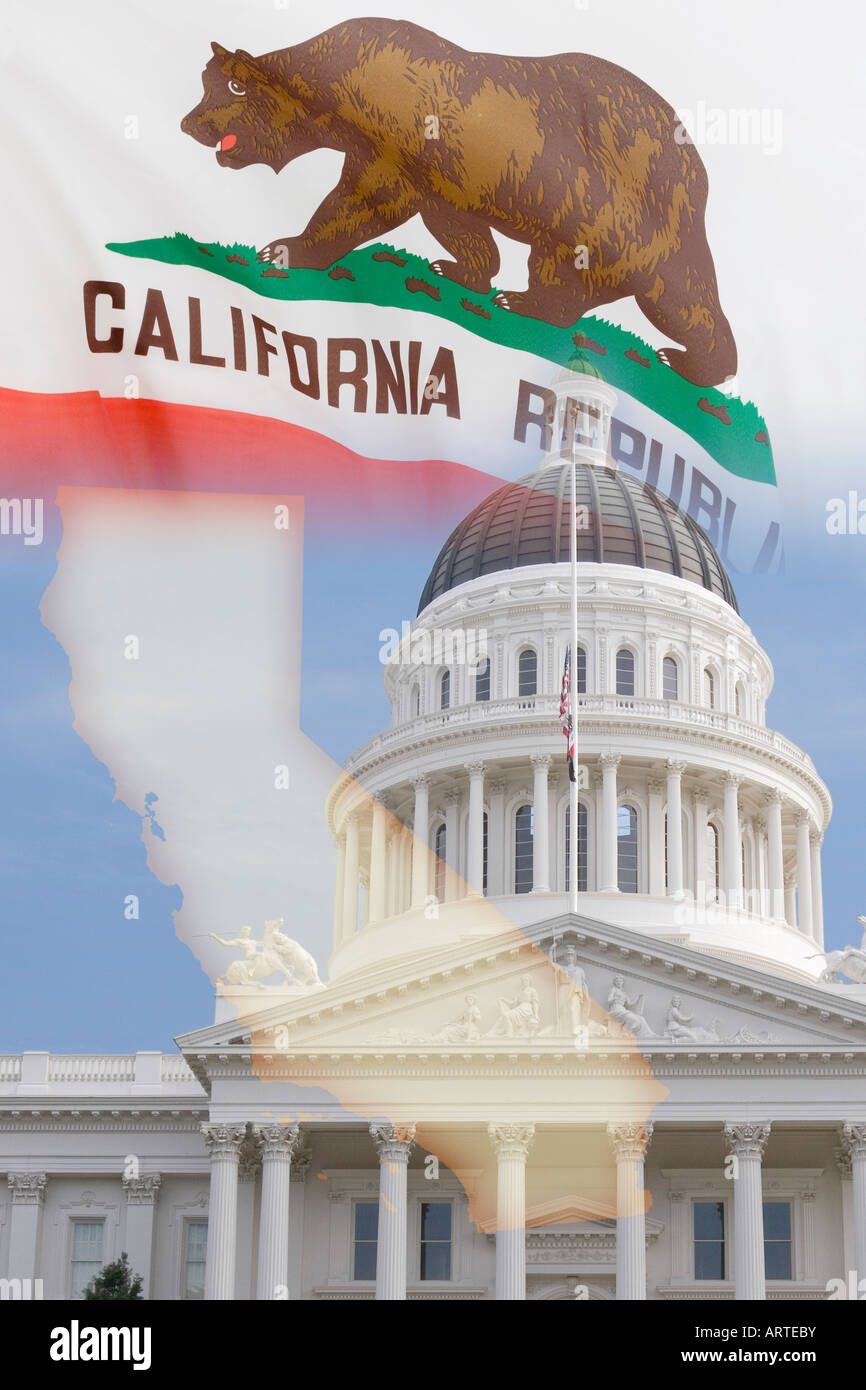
[656,786]
[803,818]
[610,759]
[773,796]
[511,1141]
[629,1140]
[816,837]
[301,1163]
[676,765]
[475,769]
[27,1189]
[223,1141]
[854,1139]
[278,1141]
[452,797]
[420,780]
[732,779]
[142,1191]
[747,1139]
[393,1143]
[541,760]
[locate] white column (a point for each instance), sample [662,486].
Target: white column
[339,907]
[224,1143]
[776,863]
[420,848]
[393,1145]
[854,1143]
[804,875]
[702,868]
[540,823]
[350,878]
[656,808]
[675,772]
[791,899]
[629,1143]
[142,1194]
[279,1143]
[452,834]
[512,1144]
[746,1142]
[378,876]
[816,842]
[609,865]
[475,837]
[27,1198]
[496,838]
[733,865]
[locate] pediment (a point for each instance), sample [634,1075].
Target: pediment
[568,982]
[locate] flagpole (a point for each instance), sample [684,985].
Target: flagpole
[572,681]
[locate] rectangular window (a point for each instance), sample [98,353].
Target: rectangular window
[581,671]
[778,1262]
[86,1254]
[709,1239]
[194,1259]
[366,1240]
[435,1240]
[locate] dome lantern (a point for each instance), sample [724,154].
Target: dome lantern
[581,415]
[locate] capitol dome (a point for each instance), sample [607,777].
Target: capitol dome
[695,821]
[621,521]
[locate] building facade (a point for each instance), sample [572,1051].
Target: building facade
[661,1095]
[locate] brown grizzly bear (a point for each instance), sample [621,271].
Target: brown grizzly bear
[570,154]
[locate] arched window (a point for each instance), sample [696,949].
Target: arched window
[441,848]
[713,857]
[415,700]
[581,670]
[527,672]
[523,827]
[626,849]
[445,690]
[739,701]
[709,688]
[670,679]
[624,672]
[484,856]
[582,855]
[482,680]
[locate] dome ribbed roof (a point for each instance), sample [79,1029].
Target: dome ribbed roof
[627,523]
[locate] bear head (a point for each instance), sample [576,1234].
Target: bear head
[248,113]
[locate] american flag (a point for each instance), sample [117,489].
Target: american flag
[566,717]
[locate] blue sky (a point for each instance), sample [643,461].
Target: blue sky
[78,976]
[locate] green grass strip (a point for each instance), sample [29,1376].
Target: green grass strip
[741,446]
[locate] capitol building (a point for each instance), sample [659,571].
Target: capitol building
[659,1095]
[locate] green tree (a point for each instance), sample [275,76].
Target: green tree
[115,1281]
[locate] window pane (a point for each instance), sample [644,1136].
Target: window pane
[527,673]
[777,1220]
[436,1260]
[366,1220]
[581,671]
[626,844]
[435,1221]
[777,1259]
[86,1254]
[523,828]
[709,689]
[482,680]
[445,688]
[582,855]
[669,679]
[624,672]
[196,1240]
[709,1220]
[196,1256]
[709,1259]
[365,1260]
